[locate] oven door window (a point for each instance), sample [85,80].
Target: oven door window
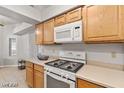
[54,83]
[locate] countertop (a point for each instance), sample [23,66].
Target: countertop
[102,76]
[41,62]
[99,75]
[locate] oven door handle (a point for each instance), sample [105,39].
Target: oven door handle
[58,77]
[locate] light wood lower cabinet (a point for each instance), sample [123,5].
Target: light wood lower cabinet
[38,76]
[38,79]
[29,76]
[29,64]
[86,84]
[34,75]
[39,68]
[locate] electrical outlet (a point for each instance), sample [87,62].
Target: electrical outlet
[113,54]
[43,51]
[53,51]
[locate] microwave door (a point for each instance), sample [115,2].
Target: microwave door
[64,35]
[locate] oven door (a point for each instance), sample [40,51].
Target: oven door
[55,81]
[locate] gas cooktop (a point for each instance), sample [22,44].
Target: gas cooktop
[66,65]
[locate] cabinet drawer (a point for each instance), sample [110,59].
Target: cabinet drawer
[73,15]
[60,20]
[85,84]
[38,68]
[29,64]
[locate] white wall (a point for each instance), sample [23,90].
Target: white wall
[22,46]
[32,46]
[1,48]
[7,33]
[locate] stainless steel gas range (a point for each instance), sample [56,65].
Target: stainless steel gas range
[61,73]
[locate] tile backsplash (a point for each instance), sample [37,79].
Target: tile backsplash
[100,53]
[107,53]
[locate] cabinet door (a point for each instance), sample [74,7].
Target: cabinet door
[49,32]
[60,20]
[85,84]
[38,79]
[29,76]
[121,22]
[101,22]
[73,15]
[39,34]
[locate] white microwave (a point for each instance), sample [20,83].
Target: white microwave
[71,32]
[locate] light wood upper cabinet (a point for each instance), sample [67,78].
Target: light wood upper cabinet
[85,84]
[121,22]
[49,32]
[29,76]
[39,34]
[34,75]
[101,23]
[60,20]
[73,15]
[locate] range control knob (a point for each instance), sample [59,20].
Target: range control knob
[47,70]
[66,76]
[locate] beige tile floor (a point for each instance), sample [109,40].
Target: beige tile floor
[12,74]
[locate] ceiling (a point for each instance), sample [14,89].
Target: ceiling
[40,7]
[6,21]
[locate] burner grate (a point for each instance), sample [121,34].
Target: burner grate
[66,65]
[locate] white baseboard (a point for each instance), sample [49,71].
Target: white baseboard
[8,66]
